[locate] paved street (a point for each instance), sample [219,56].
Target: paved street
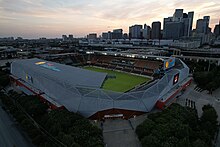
[10,136]
[119,133]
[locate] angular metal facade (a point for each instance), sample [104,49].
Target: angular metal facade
[79,95]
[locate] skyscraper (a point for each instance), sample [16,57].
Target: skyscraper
[156,29]
[117,34]
[199,26]
[146,31]
[166,20]
[186,26]
[217,29]
[202,25]
[178,15]
[135,31]
[206,24]
[190,16]
[174,30]
[179,25]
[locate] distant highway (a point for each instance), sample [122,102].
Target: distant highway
[10,136]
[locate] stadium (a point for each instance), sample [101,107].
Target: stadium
[105,85]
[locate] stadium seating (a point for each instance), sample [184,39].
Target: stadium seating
[127,64]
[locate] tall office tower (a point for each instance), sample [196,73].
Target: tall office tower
[202,25]
[178,15]
[117,34]
[217,29]
[206,24]
[156,29]
[174,30]
[185,25]
[199,26]
[182,23]
[135,32]
[190,16]
[165,21]
[146,31]
[187,22]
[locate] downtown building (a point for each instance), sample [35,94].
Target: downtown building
[179,25]
[203,31]
[217,29]
[146,32]
[156,30]
[202,25]
[115,34]
[135,32]
[92,36]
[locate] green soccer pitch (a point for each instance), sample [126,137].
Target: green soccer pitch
[123,81]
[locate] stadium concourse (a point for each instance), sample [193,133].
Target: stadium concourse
[80,90]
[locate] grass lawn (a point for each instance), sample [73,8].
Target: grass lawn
[123,81]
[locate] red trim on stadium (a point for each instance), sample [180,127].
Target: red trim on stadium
[162,103]
[126,114]
[109,113]
[112,113]
[39,95]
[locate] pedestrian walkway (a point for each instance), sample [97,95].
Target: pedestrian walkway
[198,89]
[119,133]
[190,103]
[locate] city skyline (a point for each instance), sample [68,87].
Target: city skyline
[52,18]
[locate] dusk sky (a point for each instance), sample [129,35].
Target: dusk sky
[52,18]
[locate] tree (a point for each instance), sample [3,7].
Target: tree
[208,121]
[209,80]
[209,114]
[184,143]
[199,143]
[178,126]
[150,141]
[145,128]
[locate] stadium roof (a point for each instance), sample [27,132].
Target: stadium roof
[69,87]
[72,76]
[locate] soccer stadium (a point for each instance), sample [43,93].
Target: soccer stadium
[103,85]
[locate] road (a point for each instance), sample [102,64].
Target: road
[119,133]
[10,136]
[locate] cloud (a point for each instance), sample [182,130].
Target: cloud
[52,17]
